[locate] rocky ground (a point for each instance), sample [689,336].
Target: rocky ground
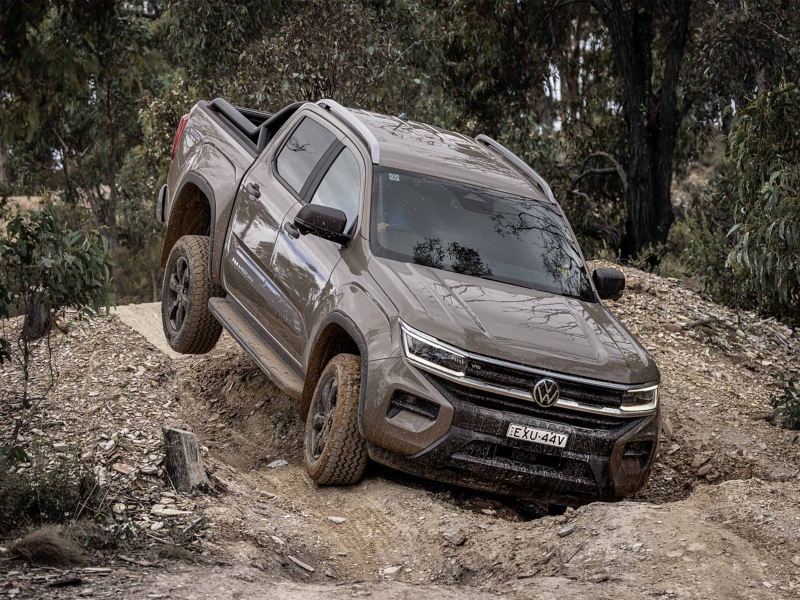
[719,518]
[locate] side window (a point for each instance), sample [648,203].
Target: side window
[302,151]
[341,186]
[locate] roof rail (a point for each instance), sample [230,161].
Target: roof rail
[519,163]
[357,125]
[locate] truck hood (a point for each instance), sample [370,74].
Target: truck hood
[516,324]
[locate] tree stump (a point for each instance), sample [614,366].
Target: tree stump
[184,465]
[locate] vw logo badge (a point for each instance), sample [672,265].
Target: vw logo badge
[546,392]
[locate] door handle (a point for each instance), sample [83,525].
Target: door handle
[253,190]
[293,232]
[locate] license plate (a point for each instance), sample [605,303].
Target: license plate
[539,436]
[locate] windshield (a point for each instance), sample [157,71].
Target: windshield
[474,231]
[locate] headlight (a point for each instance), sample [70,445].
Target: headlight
[640,400]
[426,351]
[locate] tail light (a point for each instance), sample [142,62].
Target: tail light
[184,118]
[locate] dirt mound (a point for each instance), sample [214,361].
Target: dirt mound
[719,518]
[717,379]
[236,410]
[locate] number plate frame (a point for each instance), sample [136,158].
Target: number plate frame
[537,436]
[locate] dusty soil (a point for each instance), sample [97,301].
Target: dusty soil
[719,518]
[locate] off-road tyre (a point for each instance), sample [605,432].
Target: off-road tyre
[195,330]
[343,458]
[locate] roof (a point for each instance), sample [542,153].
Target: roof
[426,149]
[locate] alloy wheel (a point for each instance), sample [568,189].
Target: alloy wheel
[323,408]
[179,294]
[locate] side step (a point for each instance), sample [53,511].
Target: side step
[259,350]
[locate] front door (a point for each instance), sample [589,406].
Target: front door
[303,265]
[272,187]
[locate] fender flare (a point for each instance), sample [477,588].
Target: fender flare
[354,332]
[203,185]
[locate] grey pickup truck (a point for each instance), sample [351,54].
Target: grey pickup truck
[419,292]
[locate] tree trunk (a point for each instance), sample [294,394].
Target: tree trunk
[653,118]
[111,209]
[154,272]
[544,104]
[570,92]
[111,206]
[37,317]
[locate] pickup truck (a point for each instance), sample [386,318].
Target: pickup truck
[419,292]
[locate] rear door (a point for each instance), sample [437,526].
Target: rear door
[303,265]
[273,186]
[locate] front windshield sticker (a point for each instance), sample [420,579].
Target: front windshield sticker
[394,177]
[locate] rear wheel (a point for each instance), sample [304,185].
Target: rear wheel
[189,326]
[335,452]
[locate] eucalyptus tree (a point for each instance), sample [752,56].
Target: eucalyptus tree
[631,90]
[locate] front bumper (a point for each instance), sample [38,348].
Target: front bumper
[605,458]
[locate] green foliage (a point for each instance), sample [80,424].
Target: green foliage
[46,491]
[159,118]
[207,37]
[787,405]
[763,175]
[706,252]
[42,263]
[649,256]
[737,48]
[35,77]
[330,49]
[92,92]
[144,170]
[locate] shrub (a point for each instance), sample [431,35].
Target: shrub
[45,268]
[787,405]
[706,252]
[45,492]
[763,177]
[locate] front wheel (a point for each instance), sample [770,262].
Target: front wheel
[335,452]
[189,326]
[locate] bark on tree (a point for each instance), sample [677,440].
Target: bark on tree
[111,208]
[155,271]
[184,464]
[570,86]
[653,116]
[37,317]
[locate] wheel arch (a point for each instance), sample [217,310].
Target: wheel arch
[336,334]
[193,212]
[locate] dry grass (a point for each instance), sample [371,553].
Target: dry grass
[46,546]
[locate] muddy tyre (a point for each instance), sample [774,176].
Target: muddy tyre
[335,452]
[189,326]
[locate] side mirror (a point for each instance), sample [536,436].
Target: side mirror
[323,221]
[610,283]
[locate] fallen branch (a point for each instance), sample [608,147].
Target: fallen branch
[578,549]
[698,322]
[141,563]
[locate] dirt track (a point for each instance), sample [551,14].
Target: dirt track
[719,519]
[731,540]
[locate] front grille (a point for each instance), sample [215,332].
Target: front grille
[515,378]
[462,393]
